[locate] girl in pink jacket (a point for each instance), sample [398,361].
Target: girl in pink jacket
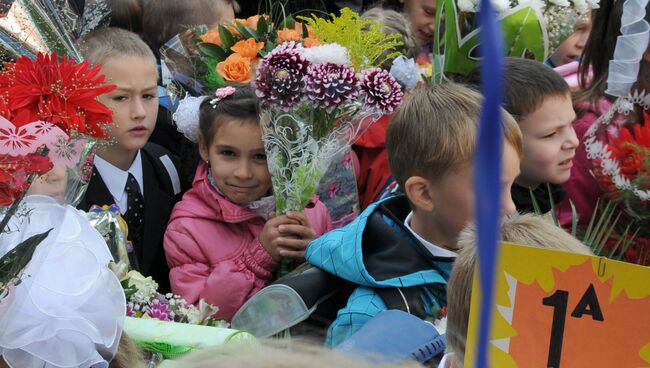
[223,241]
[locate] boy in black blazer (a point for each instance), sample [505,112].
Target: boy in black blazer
[139,177]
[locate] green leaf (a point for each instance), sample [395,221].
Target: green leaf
[247,32]
[262,26]
[556,220]
[305,31]
[226,37]
[12,263]
[574,219]
[289,22]
[212,51]
[538,211]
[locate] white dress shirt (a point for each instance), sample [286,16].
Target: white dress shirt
[435,250]
[115,179]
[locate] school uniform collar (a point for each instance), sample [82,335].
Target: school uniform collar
[116,178]
[435,250]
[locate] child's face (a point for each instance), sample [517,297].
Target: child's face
[422,14]
[134,102]
[549,143]
[53,183]
[571,49]
[454,194]
[238,161]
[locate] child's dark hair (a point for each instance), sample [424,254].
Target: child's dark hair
[599,49]
[527,84]
[126,14]
[242,105]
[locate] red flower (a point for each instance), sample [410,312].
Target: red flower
[62,93]
[15,172]
[628,148]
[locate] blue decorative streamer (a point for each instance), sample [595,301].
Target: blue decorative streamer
[487,169]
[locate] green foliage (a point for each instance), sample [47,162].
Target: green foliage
[12,263]
[368,46]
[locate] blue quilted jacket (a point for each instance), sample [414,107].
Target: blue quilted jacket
[377,251]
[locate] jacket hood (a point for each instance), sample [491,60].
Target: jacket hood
[204,202]
[376,250]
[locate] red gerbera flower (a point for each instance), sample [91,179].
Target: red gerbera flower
[15,172]
[62,93]
[631,148]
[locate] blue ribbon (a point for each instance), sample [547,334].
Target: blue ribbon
[487,169]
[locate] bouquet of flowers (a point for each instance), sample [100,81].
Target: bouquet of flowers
[315,105]
[144,301]
[207,59]
[531,28]
[619,146]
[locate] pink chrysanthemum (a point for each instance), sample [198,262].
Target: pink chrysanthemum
[159,311]
[381,89]
[281,77]
[330,85]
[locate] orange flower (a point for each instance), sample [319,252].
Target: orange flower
[248,48]
[212,36]
[251,22]
[310,31]
[310,42]
[235,68]
[287,34]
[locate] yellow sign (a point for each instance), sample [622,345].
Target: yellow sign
[557,309]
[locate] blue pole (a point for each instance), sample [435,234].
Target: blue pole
[487,170]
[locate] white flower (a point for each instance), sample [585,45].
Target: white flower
[594,4]
[187,117]
[406,72]
[563,3]
[467,6]
[329,53]
[581,6]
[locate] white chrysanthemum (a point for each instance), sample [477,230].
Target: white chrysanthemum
[406,72]
[467,6]
[330,53]
[581,6]
[594,4]
[187,117]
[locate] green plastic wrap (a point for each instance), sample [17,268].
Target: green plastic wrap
[172,339]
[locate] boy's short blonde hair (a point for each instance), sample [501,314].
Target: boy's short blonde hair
[435,131]
[104,43]
[278,354]
[529,229]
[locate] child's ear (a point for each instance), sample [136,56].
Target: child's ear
[419,192]
[203,149]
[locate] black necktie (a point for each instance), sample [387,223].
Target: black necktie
[134,215]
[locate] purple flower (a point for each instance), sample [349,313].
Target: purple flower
[159,311]
[281,77]
[129,310]
[330,85]
[382,90]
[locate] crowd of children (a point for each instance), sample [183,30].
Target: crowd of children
[203,223]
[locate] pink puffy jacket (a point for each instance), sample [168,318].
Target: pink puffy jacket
[213,250]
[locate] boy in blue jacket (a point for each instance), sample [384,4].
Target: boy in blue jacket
[400,251]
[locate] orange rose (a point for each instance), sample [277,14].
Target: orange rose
[287,34]
[248,48]
[310,42]
[235,68]
[212,36]
[251,22]
[310,31]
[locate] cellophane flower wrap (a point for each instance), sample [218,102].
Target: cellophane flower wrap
[618,144]
[314,106]
[532,29]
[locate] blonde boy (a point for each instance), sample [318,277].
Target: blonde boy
[139,177]
[399,252]
[525,229]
